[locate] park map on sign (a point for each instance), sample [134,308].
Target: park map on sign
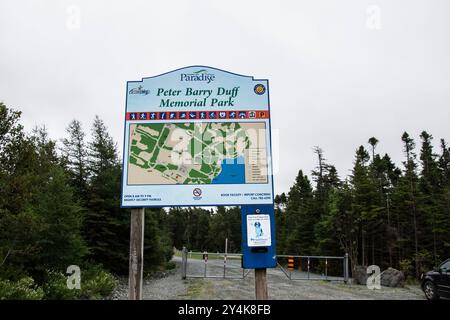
[197,153]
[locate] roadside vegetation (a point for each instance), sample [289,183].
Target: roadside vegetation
[60,206]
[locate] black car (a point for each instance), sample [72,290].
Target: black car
[436,283]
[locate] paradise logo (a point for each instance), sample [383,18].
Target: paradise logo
[139,90]
[200,75]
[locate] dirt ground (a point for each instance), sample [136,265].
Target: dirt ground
[279,286]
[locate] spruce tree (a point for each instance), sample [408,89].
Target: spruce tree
[75,158]
[19,230]
[177,222]
[106,225]
[443,214]
[300,217]
[410,194]
[337,231]
[365,205]
[429,184]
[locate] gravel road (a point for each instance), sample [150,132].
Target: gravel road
[279,286]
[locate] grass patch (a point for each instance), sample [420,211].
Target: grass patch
[200,289]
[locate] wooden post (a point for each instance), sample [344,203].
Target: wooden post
[261,284]
[225,258]
[346,274]
[184,263]
[136,254]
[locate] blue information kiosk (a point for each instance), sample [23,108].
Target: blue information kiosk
[258,237]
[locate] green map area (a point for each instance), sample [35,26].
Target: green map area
[185,153]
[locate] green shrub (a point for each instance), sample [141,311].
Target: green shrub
[95,284]
[406,265]
[56,288]
[171,265]
[23,289]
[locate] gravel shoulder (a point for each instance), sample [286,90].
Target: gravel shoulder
[280,287]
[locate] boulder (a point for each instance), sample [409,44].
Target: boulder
[392,278]
[360,275]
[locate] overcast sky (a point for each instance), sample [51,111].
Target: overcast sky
[339,71]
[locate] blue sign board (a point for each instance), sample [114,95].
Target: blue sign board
[197,136]
[258,237]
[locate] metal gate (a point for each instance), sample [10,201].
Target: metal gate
[295,267]
[212,265]
[329,268]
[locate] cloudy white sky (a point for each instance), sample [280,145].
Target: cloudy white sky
[339,71]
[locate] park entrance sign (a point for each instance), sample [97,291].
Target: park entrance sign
[197,136]
[200,136]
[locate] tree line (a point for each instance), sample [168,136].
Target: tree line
[382,214]
[60,205]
